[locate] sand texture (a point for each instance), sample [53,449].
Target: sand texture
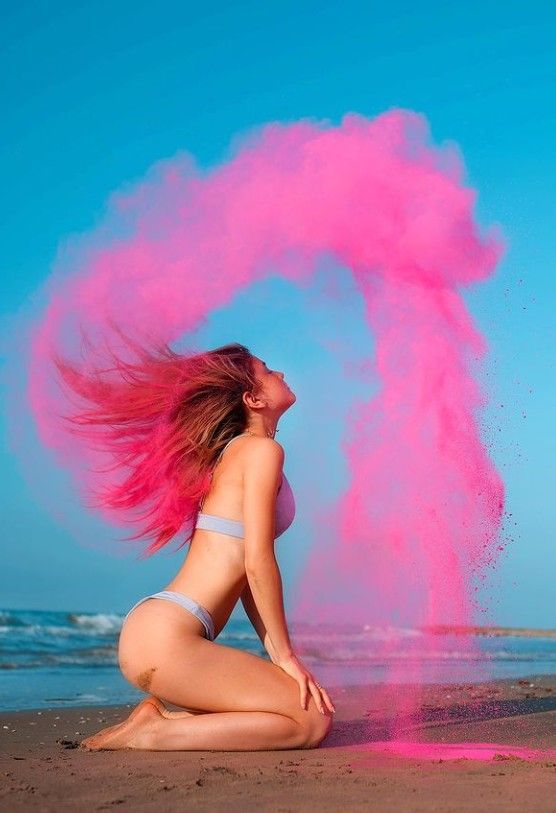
[42,769]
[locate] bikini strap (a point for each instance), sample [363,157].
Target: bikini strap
[227,444]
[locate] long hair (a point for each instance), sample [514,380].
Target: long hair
[160,419]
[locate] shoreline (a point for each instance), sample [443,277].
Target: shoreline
[489,631]
[465,728]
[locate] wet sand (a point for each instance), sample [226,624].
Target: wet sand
[488,746]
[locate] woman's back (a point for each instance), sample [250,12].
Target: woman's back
[213,572]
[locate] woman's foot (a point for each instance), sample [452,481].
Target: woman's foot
[132,733]
[170,715]
[155,701]
[151,699]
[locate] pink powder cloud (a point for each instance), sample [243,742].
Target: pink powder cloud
[420,518]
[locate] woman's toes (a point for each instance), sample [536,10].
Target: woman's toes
[132,733]
[91,742]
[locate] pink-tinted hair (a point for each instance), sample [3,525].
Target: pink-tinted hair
[161,418]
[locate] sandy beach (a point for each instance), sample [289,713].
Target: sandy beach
[492,746]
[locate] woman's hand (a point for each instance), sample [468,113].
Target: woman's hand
[292,666]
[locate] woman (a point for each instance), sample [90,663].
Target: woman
[198,432]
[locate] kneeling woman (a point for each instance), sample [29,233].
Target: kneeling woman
[197,434]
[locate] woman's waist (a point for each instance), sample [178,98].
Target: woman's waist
[218,599]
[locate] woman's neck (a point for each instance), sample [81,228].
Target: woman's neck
[262,430]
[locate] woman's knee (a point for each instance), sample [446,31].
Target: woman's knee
[314,726]
[320,730]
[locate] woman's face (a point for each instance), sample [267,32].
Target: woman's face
[274,388]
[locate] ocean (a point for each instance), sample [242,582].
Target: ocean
[56,659]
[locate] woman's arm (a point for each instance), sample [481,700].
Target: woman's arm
[261,481]
[255,617]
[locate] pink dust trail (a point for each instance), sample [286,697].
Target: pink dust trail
[477,751]
[419,521]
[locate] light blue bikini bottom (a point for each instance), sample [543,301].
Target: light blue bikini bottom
[188,604]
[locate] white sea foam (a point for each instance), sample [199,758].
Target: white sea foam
[100,622]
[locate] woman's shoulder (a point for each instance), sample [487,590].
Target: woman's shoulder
[263,451]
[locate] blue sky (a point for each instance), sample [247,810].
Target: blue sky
[94,93]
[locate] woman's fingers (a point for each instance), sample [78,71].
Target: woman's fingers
[327,700]
[303,687]
[321,695]
[316,696]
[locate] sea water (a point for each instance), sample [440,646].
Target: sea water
[52,658]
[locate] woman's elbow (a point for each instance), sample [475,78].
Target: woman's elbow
[258,563]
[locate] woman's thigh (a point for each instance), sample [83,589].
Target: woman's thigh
[181,667]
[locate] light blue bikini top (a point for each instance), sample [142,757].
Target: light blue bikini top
[285,511]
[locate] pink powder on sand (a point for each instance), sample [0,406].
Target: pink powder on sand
[478,751]
[419,521]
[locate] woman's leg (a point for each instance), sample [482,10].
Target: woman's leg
[219,731]
[249,702]
[226,731]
